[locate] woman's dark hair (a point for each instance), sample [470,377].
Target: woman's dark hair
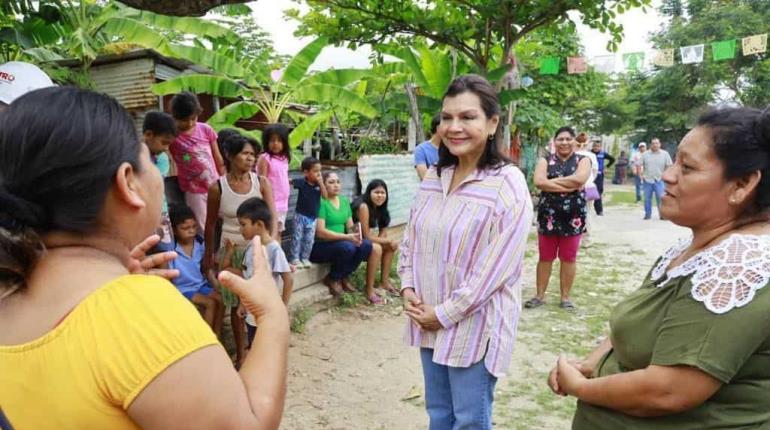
[222,137]
[255,209]
[59,150]
[492,157]
[233,146]
[742,142]
[325,175]
[179,214]
[185,105]
[308,163]
[563,129]
[282,132]
[434,123]
[379,216]
[159,124]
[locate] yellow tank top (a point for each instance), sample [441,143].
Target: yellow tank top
[85,373]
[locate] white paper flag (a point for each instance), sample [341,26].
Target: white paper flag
[692,54]
[604,63]
[755,44]
[663,58]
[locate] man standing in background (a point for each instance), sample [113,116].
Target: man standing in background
[426,153]
[654,162]
[601,156]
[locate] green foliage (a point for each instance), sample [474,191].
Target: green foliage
[666,101]
[472,27]
[369,145]
[299,319]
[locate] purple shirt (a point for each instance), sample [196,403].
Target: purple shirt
[463,253]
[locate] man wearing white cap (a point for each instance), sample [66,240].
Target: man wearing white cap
[17,79]
[636,163]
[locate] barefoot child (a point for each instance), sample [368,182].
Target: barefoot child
[255,219]
[158,132]
[274,164]
[191,282]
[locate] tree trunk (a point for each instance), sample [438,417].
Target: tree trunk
[179,8]
[414,110]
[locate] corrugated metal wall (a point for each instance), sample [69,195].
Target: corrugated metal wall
[397,170]
[127,81]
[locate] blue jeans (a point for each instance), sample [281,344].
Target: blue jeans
[650,188]
[638,187]
[457,398]
[344,256]
[303,236]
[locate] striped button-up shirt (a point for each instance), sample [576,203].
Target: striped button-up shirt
[463,253]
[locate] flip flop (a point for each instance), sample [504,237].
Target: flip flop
[392,291]
[376,299]
[534,302]
[567,305]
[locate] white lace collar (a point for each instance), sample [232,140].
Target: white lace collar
[726,275]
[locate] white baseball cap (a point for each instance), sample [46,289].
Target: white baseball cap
[17,79]
[642,144]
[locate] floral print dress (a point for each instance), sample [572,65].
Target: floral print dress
[562,214]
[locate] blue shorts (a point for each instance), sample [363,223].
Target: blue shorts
[205,290]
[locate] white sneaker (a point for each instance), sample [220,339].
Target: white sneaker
[296,263]
[307,264]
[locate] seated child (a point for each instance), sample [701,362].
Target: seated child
[191,282]
[255,220]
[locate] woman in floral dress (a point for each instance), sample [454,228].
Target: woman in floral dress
[561,214]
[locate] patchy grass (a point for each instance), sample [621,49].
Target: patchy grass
[620,198]
[606,273]
[299,318]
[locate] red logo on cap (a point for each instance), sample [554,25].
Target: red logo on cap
[5,76]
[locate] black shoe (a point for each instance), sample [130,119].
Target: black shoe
[646,217]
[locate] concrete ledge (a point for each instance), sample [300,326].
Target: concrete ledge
[308,289]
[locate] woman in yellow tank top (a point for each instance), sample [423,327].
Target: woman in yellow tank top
[86,343]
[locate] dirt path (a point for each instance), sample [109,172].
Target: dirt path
[349,369]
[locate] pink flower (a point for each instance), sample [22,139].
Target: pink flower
[577,222]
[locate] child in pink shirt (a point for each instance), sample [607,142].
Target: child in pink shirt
[196,154]
[274,164]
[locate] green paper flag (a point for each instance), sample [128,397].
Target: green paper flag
[549,66]
[723,50]
[633,60]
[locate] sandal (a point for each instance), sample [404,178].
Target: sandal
[566,304]
[348,286]
[533,303]
[334,286]
[375,299]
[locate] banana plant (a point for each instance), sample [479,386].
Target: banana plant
[330,89]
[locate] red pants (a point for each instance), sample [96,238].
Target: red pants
[566,247]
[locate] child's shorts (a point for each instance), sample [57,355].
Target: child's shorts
[205,290]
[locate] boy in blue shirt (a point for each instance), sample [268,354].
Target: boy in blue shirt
[311,189]
[191,282]
[158,132]
[426,153]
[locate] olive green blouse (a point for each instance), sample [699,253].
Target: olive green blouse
[711,313]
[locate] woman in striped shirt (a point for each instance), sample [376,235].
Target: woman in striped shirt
[461,260]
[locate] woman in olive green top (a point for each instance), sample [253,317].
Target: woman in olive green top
[691,348]
[338,241]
